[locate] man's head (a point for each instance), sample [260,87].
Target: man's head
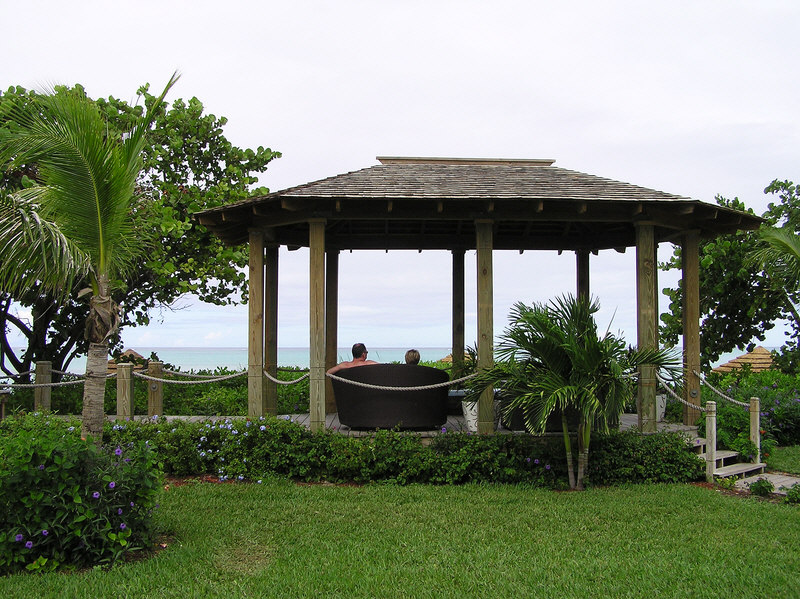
[412,356]
[359,350]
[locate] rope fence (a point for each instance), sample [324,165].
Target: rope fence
[717,391]
[417,388]
[156,379]
[674,395]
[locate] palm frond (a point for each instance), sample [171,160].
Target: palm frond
[88,176]
[780,257]
[35,249]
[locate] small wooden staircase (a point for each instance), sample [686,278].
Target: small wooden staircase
[728,463]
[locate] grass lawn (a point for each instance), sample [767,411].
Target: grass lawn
[279,539]
[785,459]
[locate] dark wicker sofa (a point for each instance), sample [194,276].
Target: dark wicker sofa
[368,409]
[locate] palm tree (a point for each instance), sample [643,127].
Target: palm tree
[551,360]
[75,223]
[779,256]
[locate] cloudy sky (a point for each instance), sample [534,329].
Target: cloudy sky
[696,98]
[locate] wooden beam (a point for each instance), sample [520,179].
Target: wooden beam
[271,327]
[458,309]
[690,263]
[483,233]
[331,322]
[647,314]
[316,243]
[582,268]
[256,390]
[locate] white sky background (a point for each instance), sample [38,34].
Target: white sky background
[696,98]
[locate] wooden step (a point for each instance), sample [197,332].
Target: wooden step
[739,469]
[722,456]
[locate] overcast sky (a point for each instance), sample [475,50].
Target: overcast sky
[696,98]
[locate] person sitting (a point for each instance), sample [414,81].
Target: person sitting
[412,357]
[359,359]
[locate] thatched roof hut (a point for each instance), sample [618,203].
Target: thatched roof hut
[759,359]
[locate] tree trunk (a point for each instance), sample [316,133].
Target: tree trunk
[94,389]
[568,448]
[584,436]
[103,322]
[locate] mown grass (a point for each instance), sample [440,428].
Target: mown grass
[279,539]
[785,459]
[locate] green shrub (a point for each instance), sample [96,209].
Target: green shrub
[239,449]
[68,502]
[628,456]
[761,487]
[227,398]
[780,404]
[793,494]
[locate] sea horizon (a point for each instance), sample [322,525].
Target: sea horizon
[235,358]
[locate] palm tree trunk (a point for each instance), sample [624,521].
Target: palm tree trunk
[584,437]
[568,448]
[103,321]
[94,389]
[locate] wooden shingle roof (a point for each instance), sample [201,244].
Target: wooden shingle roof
[433,203]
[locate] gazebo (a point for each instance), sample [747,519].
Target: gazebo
[459,204]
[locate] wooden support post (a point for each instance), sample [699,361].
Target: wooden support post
[42,395]
[331,323]
[256,389]
[755,425]
[484,244]
[317,376]
[155,390]
[711,440]
[647,314]
[271,329]
[458,311]
[582,268]
[690,259]
[125,407]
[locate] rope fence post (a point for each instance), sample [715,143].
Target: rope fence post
[711,440]
[755,425]
[4,393]
[44,376]
[124,391]
[155,390]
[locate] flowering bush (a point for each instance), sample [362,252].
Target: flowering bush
[779,395]
[241,449]
[68,502]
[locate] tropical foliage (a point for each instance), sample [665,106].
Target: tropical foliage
[76,223]
[551,360]
[740,299]
[187,165]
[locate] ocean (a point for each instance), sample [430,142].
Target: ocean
[235,358]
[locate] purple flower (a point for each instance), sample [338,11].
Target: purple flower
[528,460]
[45,533]
[41,466]
[18,538]
[444,429]
[131,504]
[112,484]
[96,494]
[536,461]
[118,451]
[29,545]
[119,511]
[122,526]
[547,467]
